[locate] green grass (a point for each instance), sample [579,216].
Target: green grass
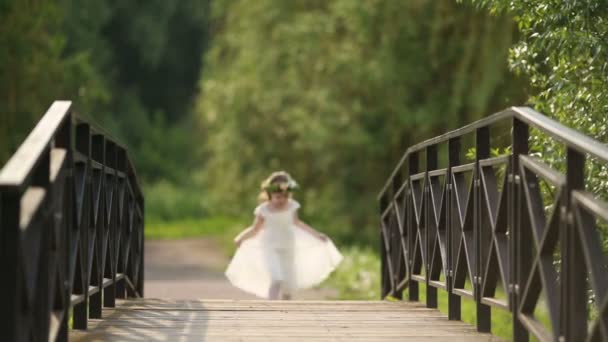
[357,277]
[223,229]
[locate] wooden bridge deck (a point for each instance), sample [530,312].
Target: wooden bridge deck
[259,320]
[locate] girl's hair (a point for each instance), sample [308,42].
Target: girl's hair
[279,181]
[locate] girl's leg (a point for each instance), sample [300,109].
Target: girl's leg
[276,271]
[287,265]
[274,291]
[274,263]
[281,269]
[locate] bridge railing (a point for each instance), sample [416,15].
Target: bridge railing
[71,228]
[506,219]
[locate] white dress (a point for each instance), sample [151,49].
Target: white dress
[281,252]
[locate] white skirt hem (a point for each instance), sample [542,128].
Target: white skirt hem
[313,260]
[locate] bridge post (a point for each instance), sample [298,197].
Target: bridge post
[454,301]
[10,316]
[41,178]
[383,271]
[135,272]
[122,221]
[141,241]
[63,140]
[413,286]
[431,164]
[484,312]
[520,242]
[95,300]
[574,286]
[398,238]
[109,293]
[81,285]
[384,282]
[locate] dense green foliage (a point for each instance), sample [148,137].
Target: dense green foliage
[131,67]
[335,91]
[563,52]
[33,69]
[210,97]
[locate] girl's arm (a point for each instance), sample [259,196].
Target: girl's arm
[308,228]
[250,232]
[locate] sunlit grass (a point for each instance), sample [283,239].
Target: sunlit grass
[222,229]
[357,277]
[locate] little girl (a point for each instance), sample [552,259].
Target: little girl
[279,253]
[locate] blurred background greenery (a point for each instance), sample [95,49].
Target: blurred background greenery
[211,96]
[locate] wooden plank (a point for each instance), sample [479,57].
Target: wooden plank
[260,320]
[301,339]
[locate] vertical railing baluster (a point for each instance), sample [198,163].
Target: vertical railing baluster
[64,139]
[413,290]
[520,234]
[482,148]
[83,145]
[95,300]
[454,301]
[431,164]
[383,262]
[109,293]
[140,280]
[574,283]
[121,225]
[397,182]
[11,321]
[41,178]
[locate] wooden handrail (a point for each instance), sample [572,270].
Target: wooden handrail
[566,135]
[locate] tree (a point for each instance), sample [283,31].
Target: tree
[34,71]
[335,92]
[563,52]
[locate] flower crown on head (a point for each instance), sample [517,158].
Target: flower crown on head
[282,187]
[289,185]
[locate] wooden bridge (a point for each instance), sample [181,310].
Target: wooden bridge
[72,244]
[263,320]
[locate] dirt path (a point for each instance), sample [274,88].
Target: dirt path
[194,269]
